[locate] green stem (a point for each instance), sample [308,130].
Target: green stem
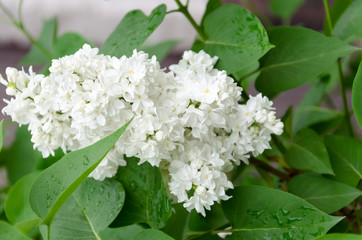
[328,18]
[270,169]
[340,71]
[183,9]
[344,98]
[20,26]
[279,144]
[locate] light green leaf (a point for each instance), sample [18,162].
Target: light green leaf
[236,36]
[8,232]
[348,26]
[20,159]
[326,194]
[340,236]
[160,50]
[285,8]
[53,187]
[357,96]
[307,152]
[151,234]
[264,213]
[68,44]
[17,207]
[147,200]
[345,154]
[212,5]
[123,233]
[300,55]
[89,210]
[46,39]
[132,31]
[338,8]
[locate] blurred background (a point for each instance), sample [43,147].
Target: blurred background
[96,19]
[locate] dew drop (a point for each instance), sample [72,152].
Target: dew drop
[85,160]
[276,216]
[132,186]
[284,211]
[255,213]
[293,219]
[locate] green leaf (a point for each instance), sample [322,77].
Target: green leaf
[46,39]
[160,50]
[177,225]
[245,77]
[236,36]
[326,194]
[68,44]
[285,8]
[89,210]
[123,233]
[348,26]
[132,31]
[53,187]
[151,234]
[211,6]
[8,232]
[263,213]
[20,159]
[17,207]
[340,236]
[345,154]
[307,152]
[309,115]
[300,55]
[147,200]
[337,9]
[357,96]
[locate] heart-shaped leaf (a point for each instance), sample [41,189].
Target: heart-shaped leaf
[132,31]
[89,210]
[236,36]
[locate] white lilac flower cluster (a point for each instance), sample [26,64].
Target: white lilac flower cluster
[187,121]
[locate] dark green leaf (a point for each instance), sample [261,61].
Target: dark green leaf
[307,152]
[8,232]
[46,39]
[340,236]
[338,8]
[147,200]
[244,76]
[300,55]
[123,233]
[345,154]
[263,213]
[285,8]
[68,44]
[160,50]
[151,234]
[236,36]
[348,26]
[326,194]
[177,224]
[132,31]
[20,158]
[212,5]
[89,210]
[357,96]
[309,115]
[53,187]
[17,207]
